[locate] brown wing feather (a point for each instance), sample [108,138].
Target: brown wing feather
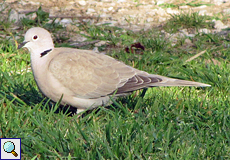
[87,74]
[137,82]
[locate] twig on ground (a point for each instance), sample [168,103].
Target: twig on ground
[84,43]
[197,55]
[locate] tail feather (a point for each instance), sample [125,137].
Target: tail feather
[176,82]
[151,80]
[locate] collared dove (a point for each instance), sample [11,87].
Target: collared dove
[83,78]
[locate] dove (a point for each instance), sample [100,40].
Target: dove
[82,78]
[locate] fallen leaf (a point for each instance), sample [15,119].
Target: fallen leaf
[137,45]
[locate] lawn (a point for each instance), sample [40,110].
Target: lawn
[167,123]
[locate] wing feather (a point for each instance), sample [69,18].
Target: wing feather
[88,74]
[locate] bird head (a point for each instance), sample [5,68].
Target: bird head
[37,40]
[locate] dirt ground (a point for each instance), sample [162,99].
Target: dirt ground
[132,14]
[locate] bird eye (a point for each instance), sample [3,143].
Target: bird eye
[35,37]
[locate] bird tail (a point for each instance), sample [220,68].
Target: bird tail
[165,81]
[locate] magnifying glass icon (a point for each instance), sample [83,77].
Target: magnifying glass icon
[9,147]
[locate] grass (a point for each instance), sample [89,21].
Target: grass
[167,123]
[191,4]
[187,20]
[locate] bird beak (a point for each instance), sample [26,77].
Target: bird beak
[22,44]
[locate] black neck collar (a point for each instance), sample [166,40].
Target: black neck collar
[45,52]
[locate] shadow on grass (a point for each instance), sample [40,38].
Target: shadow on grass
[30,96]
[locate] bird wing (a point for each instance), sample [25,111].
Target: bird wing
[91,75]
